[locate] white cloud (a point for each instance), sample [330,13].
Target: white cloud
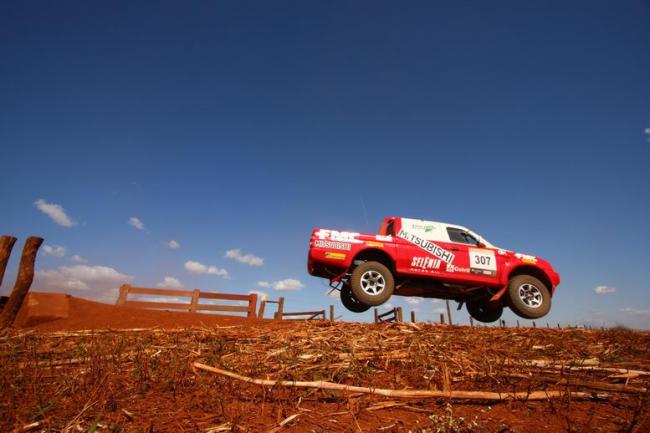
[77,258]
[388,306]
[170,283]
[54,250]
[261,295]
[436,301]
[334,294]
[247,259]
[135,222]
[635,311]
[439,310]
[413,301]
[288,284]
[173,244]
[56,212]
[199,268]
[80,277]
[601,290]
[264,284]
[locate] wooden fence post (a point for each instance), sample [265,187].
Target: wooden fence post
[23,281]
[260,314]
[331,313]
[534,325]
[412,316]
[376,315]
[448,312]
[471,321]
[124,293]
[252,306]
[6,245]
[278,315]
[398,314]
[195,300]
[442,319]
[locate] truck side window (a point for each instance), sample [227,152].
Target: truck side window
[461,237]
[390,228]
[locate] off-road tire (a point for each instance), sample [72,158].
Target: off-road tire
[372,283]
[482,311]
[528,297]
[350,302]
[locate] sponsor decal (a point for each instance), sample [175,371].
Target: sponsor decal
[335,256]
[375,244]
[335,235]
[428,246]
[383,238]
[453,268]
[526,258]
[425,228]
[425,263]
[482,262]
[333,245]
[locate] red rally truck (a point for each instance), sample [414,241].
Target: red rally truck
[412,257]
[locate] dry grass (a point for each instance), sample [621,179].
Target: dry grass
[143,380]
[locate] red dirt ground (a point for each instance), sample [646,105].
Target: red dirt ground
[118,379]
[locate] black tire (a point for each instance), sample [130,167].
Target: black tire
[350,302]
[372,283]
[484,312]
[528,297]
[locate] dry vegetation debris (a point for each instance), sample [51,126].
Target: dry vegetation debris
[146,379]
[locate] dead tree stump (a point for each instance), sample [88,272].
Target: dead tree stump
[6,245]
[23,282]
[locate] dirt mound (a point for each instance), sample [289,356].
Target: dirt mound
[58,311]
[147,381]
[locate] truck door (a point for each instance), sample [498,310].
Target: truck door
[472,262]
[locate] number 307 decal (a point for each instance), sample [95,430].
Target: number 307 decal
[482,262]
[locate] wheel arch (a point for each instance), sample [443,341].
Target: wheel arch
[533,271]
[375,255]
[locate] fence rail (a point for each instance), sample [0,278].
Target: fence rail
[280,314]
[193,306]
[394,315]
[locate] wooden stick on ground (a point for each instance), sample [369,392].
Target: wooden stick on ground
[399,393]
[23,281]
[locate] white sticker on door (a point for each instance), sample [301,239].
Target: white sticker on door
[482,262]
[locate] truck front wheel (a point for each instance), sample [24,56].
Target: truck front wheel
[372,283]
[529,297]
[350,302]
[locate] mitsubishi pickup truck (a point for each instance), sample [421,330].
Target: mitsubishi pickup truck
[412,257]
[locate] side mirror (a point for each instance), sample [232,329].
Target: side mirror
[480,244]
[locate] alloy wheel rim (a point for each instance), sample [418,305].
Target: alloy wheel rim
[373,283]
[530,295]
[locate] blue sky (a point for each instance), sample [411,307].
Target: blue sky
[243,125]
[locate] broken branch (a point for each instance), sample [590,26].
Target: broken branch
[403,393]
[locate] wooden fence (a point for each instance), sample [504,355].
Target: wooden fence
[280,314]
[394,315]
[193,305]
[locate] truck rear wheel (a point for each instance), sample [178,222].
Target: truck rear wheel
[484,312]
[372,283]
[529,297]
[350,302]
